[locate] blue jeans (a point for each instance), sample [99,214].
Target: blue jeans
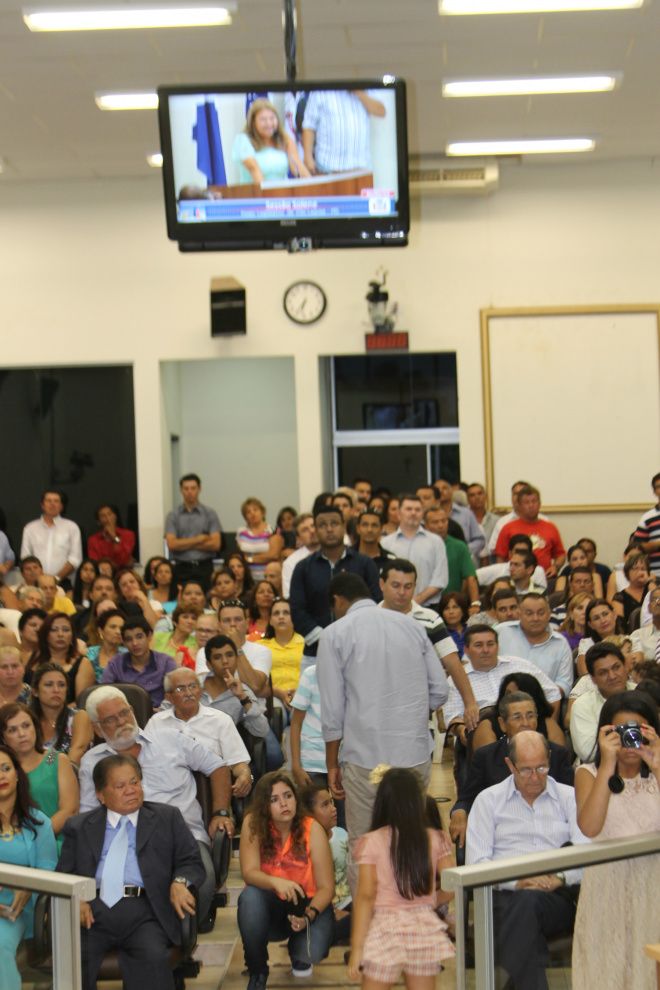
[262,918]
[274,754]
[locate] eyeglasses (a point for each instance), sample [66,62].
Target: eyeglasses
[527,717]
[184,689]
[112,720]
[527,772]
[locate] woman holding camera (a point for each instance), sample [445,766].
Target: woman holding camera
[287,866]
[618,796]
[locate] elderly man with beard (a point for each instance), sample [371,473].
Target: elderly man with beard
[168,761]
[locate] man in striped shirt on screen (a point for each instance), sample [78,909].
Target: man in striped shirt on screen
[336,129]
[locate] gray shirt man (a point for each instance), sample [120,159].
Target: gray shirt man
[184,523]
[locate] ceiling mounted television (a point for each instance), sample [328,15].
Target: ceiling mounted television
[285,165]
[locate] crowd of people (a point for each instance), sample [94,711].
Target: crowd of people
[340,629]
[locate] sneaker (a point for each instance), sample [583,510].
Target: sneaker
[257,981]
[301,970]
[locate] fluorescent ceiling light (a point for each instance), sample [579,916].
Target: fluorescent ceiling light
[155,160]
[533,86]
[104,20]
[534,147]
[531,6]
[127,101]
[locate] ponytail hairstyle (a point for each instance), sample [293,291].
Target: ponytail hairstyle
[400,805]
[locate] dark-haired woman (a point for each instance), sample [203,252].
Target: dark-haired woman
[58,644]
[287,866]
[618,796]
[66,730]
[453,608]
[27,840]
[395,927]
[261,600]
[165,589]
[87,571]
[238,565]
[223,587]
[637,570]
[53,783]
[600,621]
[29,625]
[489,730]
[284,527]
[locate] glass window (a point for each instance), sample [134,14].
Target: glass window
[396,391]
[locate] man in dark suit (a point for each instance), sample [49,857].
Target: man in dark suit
[144,859]
[517,712]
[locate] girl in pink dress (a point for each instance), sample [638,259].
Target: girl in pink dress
[395,927]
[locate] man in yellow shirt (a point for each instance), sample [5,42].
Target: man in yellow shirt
[54,602]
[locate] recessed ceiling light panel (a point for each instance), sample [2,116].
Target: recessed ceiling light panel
[531,6]
[127,101]
[523,147]
[529,87]
[127,18]
[155,160]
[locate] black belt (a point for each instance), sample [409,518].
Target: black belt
[194,563]
[129,891]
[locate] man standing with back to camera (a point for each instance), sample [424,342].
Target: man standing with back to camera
[193,534]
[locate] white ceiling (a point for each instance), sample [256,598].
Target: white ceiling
[50,126]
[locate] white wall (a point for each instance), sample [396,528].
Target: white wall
[238,419]
[89,277]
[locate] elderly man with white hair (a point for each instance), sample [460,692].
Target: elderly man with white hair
[168,760]
[213,728]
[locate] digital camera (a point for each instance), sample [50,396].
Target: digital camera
[632,736]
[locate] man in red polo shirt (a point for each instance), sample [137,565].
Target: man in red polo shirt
[546,541]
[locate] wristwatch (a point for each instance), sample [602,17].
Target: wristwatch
[245,701]
[222,813]
[561,877]
[181,880]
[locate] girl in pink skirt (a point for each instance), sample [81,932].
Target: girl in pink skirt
[395,927]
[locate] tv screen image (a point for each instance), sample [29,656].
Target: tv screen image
[259,167]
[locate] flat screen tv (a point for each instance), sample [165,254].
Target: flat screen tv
[282,165]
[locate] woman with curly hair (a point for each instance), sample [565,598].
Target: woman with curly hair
[287,866]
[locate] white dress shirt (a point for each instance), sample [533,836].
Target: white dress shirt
[54,545]
[211,728]
[289,566]
[502,824]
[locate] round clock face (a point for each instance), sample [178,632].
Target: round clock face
[304,302]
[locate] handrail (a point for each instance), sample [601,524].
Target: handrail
[66,891]
[483,876]
[65,885]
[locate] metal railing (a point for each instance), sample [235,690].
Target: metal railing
[482,877]
[66,892]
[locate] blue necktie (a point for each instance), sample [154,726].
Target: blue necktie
[112,877]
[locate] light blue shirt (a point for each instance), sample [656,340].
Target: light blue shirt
[554,657]
[167,760]
[132,875]
[427,552]
[378,676]
[472,531]
[503,824]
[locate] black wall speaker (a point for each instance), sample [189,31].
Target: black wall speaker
[228,312]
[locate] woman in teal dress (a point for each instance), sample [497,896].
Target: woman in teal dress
[109,624]
[264,151]
[53,783]
[26,839]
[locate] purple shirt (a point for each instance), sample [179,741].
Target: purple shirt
[120,669]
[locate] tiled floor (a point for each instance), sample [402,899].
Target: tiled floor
[221,953]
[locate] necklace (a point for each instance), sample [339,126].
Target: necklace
[8,834]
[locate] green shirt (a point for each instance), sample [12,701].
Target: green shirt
[460,563]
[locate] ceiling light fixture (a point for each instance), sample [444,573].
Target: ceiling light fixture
[529,87]
[525,147]
[127,101]
[531,6]
[126,18]
[155,160]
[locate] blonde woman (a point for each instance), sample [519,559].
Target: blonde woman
[264,151]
